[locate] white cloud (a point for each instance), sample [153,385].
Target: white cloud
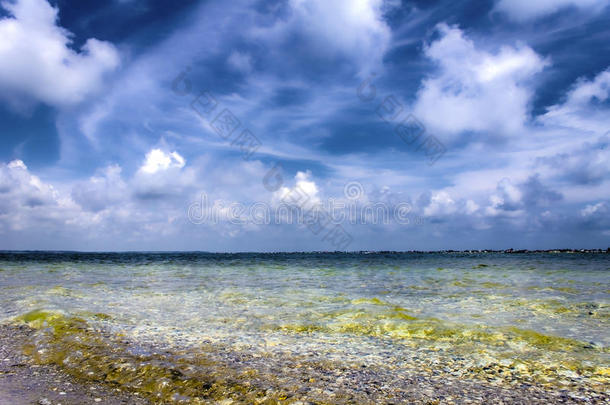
[476,90]
[583,109]
[113,211]
[163,176]
[441,204]
[594,209]
[351,28]
[36,63]
[585,91]
[27,202]
[102,190]
[522,10]
[305,192]
[20,187]
[157,160]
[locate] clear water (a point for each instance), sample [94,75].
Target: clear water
[544,316]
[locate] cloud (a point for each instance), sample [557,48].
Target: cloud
[594,210]
[37,64]
[18,186]
[241,62]
[440,203]
[585,107]
[288,74]
[145,208]
[520,200]
[476,90]
[536,194]
[112,211]
[304,194]
[105,189]
[354,30]
[588,164]
[27,202]
[522,10]
[596,216]
[512,204]
[157,160]
[161,176]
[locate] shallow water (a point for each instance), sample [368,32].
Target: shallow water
[544,317]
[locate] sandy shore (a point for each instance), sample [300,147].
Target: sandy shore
[23,382]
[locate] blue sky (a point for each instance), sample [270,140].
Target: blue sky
[113,123]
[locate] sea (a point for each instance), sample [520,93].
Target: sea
[266,324]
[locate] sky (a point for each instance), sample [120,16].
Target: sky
[297,125]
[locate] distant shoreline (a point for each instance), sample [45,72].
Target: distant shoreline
[313,252]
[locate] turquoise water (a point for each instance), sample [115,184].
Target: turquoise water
[545,317]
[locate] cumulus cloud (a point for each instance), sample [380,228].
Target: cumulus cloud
[109,205]
[520,200]
[522,10]
[440,203]
[158,160]
[162,175]
[513,203]
[37,64]
[304,193]
[20,187]
[105,189]
[296,89]
[477,90]
[106,202]
[146,207]
[352,29]
[27,202]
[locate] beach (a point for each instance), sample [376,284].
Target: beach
[305,328]
[25,382]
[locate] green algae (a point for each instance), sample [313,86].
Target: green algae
[531,353]
[546,342]
[188,376]
[194,376]
[489,284]
[37,317]
[395,323]
[554,307]
[99,316]
[374,301]
[568,290]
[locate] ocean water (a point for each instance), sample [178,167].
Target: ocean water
[542,318]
